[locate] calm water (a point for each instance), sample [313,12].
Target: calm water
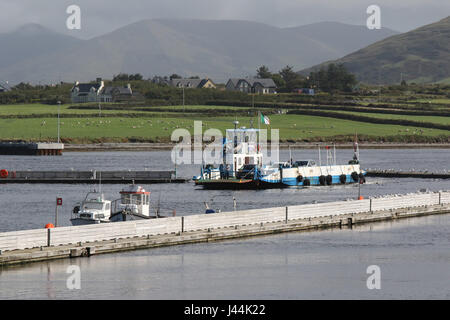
[413,254]
[27,206]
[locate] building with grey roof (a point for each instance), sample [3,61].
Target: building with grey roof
[192,83]
[251,85]
[4,86]
[86,92]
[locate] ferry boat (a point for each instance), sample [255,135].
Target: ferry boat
[308,173]
[242,164]
[245,167]
[134,204]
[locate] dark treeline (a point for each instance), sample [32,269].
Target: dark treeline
[329,79]
[332,85]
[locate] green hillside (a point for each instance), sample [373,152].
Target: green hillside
[421,55]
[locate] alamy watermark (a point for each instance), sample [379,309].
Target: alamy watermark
[374,20]
[211,147]
[374,280]
[73,282]
[73,22]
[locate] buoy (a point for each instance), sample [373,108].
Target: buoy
[361,198]
[4,173]
[49,226]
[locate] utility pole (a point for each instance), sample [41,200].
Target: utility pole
[59,106]
[183,100]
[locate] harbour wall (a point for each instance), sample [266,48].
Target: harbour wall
[91,176]
[63,242]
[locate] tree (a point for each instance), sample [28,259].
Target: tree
[288,74]
[263,73]
[175,76]
[136,76]
[332,78]
[276,77]
[121,77]
[291,78]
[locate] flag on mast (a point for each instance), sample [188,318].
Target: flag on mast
[265,119]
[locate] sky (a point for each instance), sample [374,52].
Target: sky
[102,16]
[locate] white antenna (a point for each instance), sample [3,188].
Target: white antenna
[320,160]
[334,150]
[290,155]
[100,182]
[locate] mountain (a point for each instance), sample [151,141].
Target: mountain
[29,42]
[420,55]
[214,48]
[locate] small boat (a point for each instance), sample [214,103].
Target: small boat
[134,204]
[93,209]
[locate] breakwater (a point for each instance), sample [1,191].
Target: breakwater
[65,242]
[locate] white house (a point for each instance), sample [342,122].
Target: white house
[87,92]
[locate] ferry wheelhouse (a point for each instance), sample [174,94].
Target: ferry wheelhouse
[241,157]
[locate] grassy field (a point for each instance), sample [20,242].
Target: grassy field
[158,128]
[429,119]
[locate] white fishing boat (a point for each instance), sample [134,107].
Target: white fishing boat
[134,204]
[93,209]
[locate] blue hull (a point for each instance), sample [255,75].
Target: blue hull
[314,181]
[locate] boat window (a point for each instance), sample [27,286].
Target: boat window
[137,199]
[125,199]
[300,163]
[93,206]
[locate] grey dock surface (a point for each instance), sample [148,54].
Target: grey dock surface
[26,246]
[407,174]
[31,149]
[106,177]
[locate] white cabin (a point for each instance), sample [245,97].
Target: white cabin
[135,200]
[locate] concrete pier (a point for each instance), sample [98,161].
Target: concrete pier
[31,149]
[106,177]
[407,174]
[65,242]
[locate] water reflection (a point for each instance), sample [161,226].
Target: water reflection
[412,254]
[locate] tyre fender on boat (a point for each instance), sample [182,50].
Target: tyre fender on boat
[306,182]
[343,178]
[355,176]
[322,180]
[299,178]
[329,179]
